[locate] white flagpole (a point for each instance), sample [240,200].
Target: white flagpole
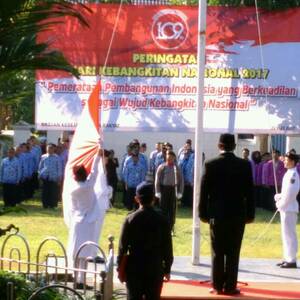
[202,5]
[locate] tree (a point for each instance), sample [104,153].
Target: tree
[266,4]
[21,54]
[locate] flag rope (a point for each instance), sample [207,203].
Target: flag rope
[113,33]
[271,144]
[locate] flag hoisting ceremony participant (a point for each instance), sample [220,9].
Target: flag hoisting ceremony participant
[86,193]
[147,243]
[169,187]
[288,206]
[227,204]
[10,177]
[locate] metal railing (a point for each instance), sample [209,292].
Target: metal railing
[55,273]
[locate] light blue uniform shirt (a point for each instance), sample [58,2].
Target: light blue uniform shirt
[134,173]
[50,167]
[142,161]
[125,156]
[153,155]
[10,170]
[188,170]
[37,153]
[28,164]
[159,159]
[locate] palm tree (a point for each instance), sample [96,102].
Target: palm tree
[21,54]
[20,23]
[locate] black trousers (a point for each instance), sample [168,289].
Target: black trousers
[226,239]
[187,197]
[129,200]
[11,194]
[142,285]
[50,193]
[168,203]
[28,188]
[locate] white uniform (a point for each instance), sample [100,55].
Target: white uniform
[85,204]
[288,207]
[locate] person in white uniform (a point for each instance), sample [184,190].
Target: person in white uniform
[86,200]
[288,207]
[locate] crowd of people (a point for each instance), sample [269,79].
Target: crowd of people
[28,165]
[34,162]
[268,171]
[231,188]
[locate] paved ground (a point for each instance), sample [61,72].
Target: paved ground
[249,270]
[259,270]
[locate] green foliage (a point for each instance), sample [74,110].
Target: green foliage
[265,4]
[273,4]
[22,290]
[16,209]
[21,54]
[224,2]
[20,23]
[18,91]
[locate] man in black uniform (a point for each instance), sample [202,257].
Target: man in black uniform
[146,236]
[227,204]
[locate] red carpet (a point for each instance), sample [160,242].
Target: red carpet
[192,290]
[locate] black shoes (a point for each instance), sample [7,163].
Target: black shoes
[232,292]
[287,265]
[97,260]
[215,292]
[280,263]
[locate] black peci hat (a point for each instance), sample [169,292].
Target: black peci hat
[226,139]
[145,190]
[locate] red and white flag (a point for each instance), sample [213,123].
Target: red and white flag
[85,142]
[83,150]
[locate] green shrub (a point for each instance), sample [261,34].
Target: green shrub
[23,288]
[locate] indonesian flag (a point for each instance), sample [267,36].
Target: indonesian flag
[85,142]
[84,148]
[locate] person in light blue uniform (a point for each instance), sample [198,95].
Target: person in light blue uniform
[65,151]
[186,164]
[160,158]
[50,172]
[134,173]
[134,148]
[153,156]
[28,166]
[10,176]
[36,150]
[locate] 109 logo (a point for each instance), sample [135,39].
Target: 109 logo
[169,29]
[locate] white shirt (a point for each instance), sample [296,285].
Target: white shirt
[286,201]
[85,201]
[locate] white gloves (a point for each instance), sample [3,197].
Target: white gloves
[277,197]
[158,195]
[179,195]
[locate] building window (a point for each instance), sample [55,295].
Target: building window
[245,136]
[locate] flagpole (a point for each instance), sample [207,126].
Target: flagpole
[199,135]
